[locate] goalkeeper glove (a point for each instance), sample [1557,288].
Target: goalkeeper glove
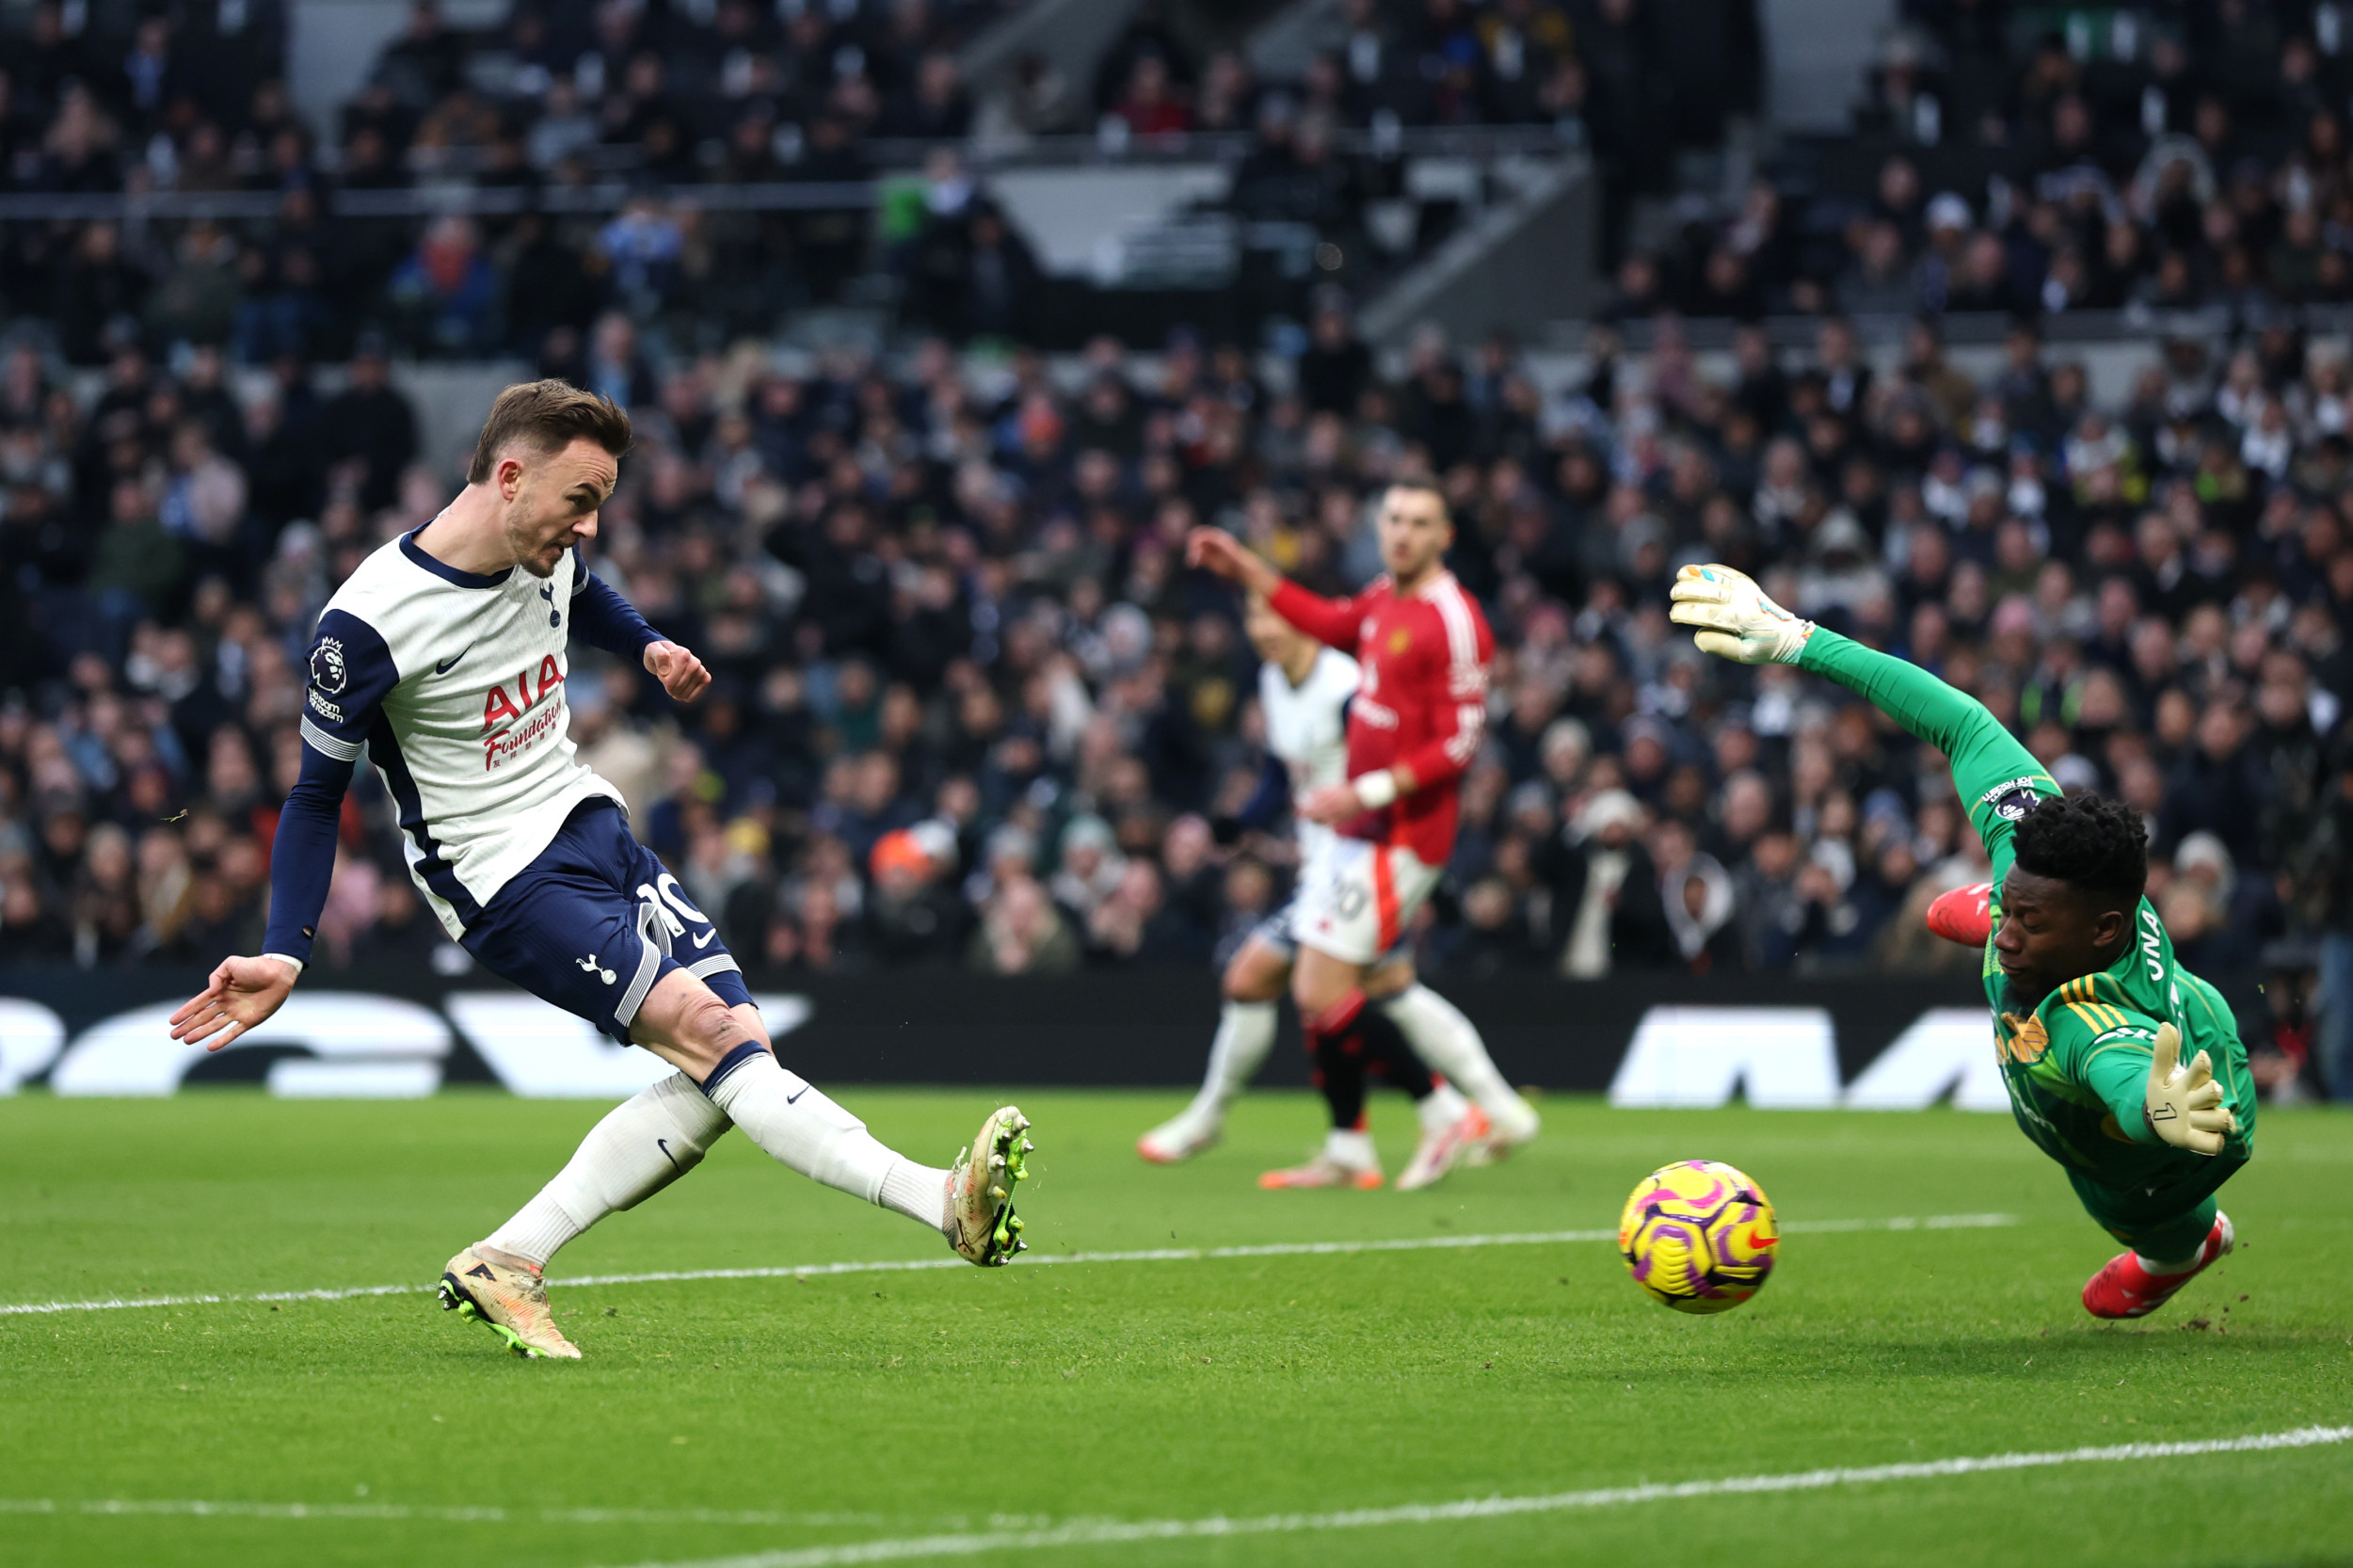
[2184,1104]
[1735,619]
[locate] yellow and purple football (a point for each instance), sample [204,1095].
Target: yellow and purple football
[1698,1235]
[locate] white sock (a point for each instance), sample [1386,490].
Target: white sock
[1352,1148]
[2180,1266]
[1441,1108]
[642,1146]
[799,1127]
[1245,1033]
[1448,1043]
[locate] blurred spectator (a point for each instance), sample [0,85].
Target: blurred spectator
[370,427]
[1022,933]
[447,294]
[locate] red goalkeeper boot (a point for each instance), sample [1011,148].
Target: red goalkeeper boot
[1965,914]
[2123,1288]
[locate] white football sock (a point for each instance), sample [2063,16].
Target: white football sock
[1352,1148]
[1448,1043]
[642,1146]
[2181,1266]
[1441,1108]
[799,1125]
[1245,1033]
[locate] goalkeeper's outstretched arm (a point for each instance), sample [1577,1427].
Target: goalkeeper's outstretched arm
[1733,618]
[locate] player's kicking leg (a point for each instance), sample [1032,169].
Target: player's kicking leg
[1245,1033]
[590,926]
[725,1050]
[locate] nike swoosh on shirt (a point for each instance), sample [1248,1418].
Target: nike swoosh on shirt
[704,940]
[790,1099]
[448,664]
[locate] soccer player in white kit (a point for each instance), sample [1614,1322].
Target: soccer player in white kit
[443,659]
[1304,693]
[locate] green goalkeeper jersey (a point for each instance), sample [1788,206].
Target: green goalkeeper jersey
[2077,1062]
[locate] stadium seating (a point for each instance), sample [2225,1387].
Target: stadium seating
[970,709]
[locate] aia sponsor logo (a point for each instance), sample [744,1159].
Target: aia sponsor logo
[514,724]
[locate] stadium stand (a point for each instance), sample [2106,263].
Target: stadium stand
[2143,162]
[971,709]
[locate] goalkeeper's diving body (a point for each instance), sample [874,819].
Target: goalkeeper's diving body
[2091,1012]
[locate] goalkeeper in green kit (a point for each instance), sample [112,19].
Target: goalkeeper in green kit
[2090,1010]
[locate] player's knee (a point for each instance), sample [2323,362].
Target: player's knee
[1254,973]
[1245,981]
[1235,986]
[709,1025]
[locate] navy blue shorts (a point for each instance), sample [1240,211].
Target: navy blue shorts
[596,921]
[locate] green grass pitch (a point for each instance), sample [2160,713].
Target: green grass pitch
[883,1407]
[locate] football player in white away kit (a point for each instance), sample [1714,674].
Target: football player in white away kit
[1303,691]
[446,666]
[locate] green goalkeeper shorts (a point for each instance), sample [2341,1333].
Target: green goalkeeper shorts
[2166,1222]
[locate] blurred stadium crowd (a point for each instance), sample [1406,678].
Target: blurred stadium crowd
[970,707]
[2008,157]
[556,99]
[537,114]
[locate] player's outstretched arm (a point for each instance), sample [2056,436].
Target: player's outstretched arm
[241,995]
[350,671]
[602,618]
[244,992]
[1732,618]
[1213,550]
[1328,621]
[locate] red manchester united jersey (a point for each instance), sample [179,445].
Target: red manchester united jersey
[1421,697]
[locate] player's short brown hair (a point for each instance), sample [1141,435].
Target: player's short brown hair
[551,415]
[1430,487]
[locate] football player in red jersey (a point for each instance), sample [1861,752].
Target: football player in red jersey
[1419,713]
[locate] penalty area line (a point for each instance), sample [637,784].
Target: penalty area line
[1112,1532]
[1104,1533]
[486,1514]
[1030,1260]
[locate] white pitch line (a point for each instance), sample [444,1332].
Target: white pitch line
[1097,1532]
[483,1514]
[1031,1260]
[1108,1532]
